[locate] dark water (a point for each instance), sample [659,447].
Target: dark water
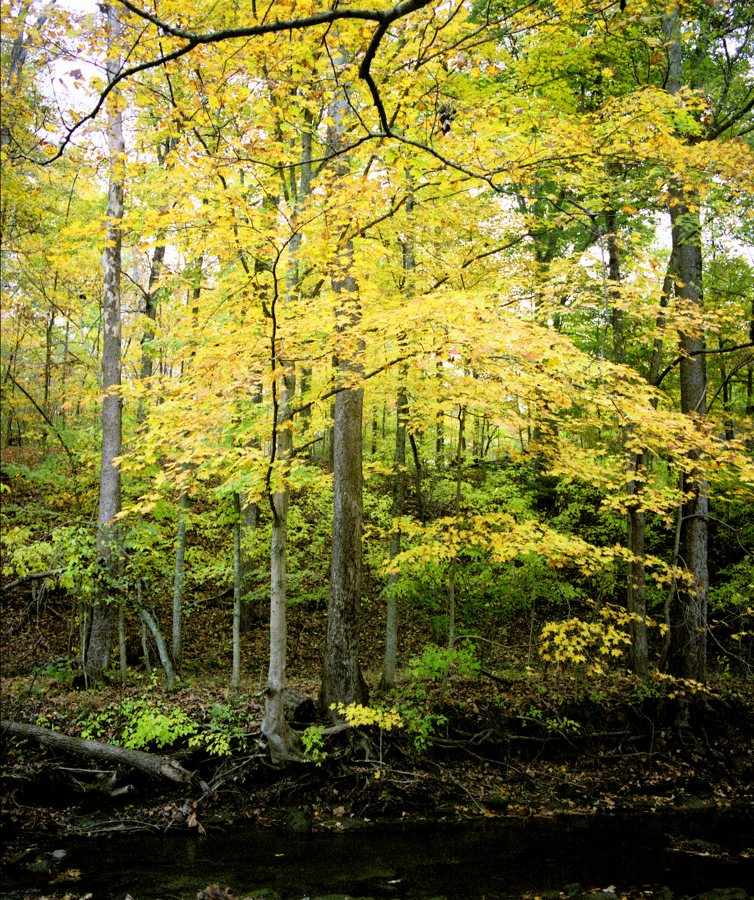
[501,858]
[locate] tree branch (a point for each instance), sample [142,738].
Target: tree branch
[384,18]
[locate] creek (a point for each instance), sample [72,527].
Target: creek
[494,858]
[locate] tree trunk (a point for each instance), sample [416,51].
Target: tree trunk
[281,740]
[283,743]
[454,560]
[156,766]
[342,681]
[167,665]
[235,680]
[179,577]
[109,563]
[636,595]
[387,680]
[688,647]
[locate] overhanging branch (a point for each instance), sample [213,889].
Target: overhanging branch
[383,18]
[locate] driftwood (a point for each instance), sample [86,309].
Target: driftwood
[156,766]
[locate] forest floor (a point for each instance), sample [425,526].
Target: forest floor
[510,741]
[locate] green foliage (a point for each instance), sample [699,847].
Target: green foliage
[100,724]
[148,724]
[21,553]
[60,669]
[223,730]
[435,662]
[420,721]
[313,741]
[143,722]
[646,691]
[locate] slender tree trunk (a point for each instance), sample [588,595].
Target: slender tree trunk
[249,520]
[235,680]
[283,743]
[108,535]
[454,560]
[179,577]
[48,369]
[184,503]
[750,389]
[636,598]
[122,642]
[151,622]
[249,523]
[688,650]
[387,680]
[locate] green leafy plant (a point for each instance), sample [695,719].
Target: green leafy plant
[225,727]
[434,662]
[147,724]
[59,669]
[99,724]
[313,740]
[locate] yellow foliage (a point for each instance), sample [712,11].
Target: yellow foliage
[576,641]
[358,715]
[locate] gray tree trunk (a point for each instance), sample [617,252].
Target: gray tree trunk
[235,680]
[688,646]
[454,560]
[387,680]
[636,595]
[151,622]
[109,563]
[179,577]
[283,743]
[342,681]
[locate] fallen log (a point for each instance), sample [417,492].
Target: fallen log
[151,763]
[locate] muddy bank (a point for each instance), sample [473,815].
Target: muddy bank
[490,756]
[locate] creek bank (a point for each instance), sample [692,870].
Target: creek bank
[492,758]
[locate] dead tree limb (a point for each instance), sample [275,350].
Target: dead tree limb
[32,576]
[156,766]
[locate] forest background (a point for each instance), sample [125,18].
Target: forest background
[446,304]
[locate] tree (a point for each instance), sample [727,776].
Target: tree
[109,559]
[342,681]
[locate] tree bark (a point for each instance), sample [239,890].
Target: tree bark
[282,741]
[109,563]
[342,681]
[162,650]
[235,679]
[688,646]
[156,766]
[179,577]
[387,679]
[454,560]
[636,594]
